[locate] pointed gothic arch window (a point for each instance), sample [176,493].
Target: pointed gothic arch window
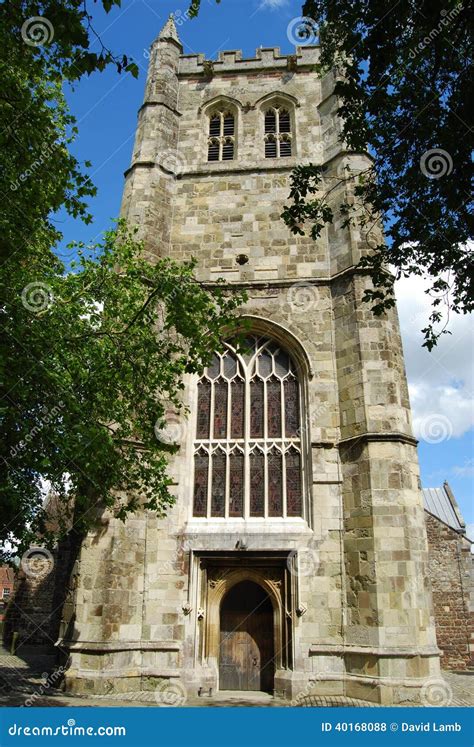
[278,134]
[221,136]
[248,452]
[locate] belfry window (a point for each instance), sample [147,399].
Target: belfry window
[221,137]
[247,459]
[277,133]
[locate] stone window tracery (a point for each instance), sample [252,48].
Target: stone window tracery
[248,453]
[278,135]
[221,136]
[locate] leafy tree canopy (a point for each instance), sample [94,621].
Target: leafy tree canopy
[95,362]
[42,45]
[405,87]
[90,360]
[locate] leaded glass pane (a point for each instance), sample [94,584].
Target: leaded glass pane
[275,483]
[204,409]
[230,366]
[256,409]
[292,415]
[237,408]
[220,409]
[214,367]
[201,469]
[274,408]
[236,487]
[218,484]
[282,363]
[265,364]
[249,348]
[293,484]
[257,484]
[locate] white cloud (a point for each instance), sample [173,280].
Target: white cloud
[272,4]
[441,382]
[465,470]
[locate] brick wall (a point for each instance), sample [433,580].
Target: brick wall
[471,608]
[40,593]
[30,608]
[449,570]
[7,578]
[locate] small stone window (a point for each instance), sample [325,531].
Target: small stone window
[277,133]
[221,137]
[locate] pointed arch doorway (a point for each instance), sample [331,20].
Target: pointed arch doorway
[246,650]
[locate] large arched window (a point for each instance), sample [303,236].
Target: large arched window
[247,460]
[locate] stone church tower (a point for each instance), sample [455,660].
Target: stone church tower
[294,557]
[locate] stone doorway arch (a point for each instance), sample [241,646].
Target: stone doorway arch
[219,583]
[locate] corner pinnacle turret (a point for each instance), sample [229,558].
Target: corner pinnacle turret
[169,32]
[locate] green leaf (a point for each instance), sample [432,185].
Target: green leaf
[132,68]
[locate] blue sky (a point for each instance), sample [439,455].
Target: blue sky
[105,105]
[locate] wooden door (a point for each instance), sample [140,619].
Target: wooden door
[246,641]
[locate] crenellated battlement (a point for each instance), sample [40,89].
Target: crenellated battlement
[231,61]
